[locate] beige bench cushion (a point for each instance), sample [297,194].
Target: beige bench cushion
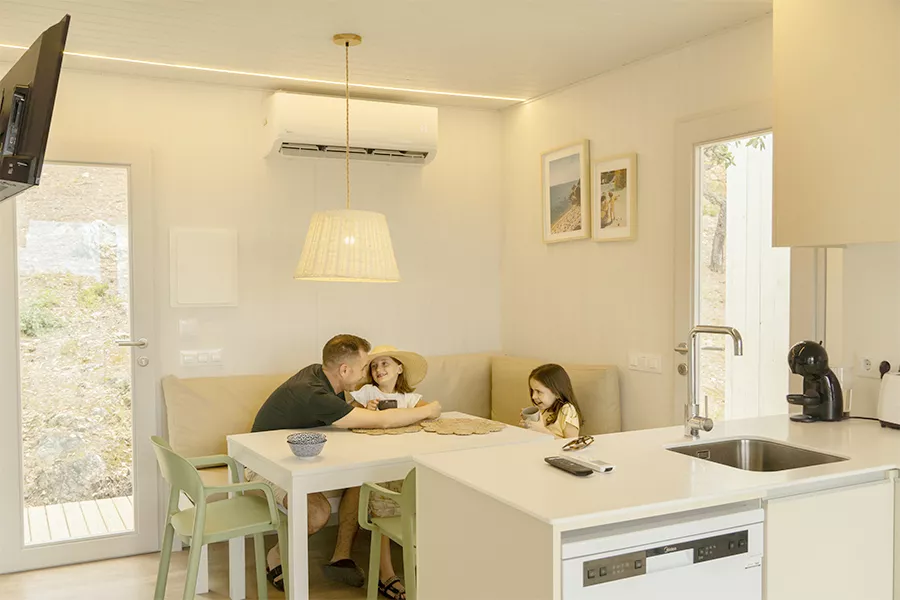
[596,388]
[202,411]
[460,382]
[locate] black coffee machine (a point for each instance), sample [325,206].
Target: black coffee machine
[822,399]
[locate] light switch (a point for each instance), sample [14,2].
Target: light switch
[188,358]
[203,358]
[644,362]
[215,357]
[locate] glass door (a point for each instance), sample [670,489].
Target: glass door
[80,385]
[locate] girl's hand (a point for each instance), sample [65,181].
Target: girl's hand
[372,405]
[536,426]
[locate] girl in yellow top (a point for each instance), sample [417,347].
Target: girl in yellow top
[551,392]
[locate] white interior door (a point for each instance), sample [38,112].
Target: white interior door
[756,382]
[77,362]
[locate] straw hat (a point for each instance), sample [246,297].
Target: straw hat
[415,367]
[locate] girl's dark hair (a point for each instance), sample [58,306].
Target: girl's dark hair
[402,386]
[555,379]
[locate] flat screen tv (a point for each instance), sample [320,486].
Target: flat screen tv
[27,95]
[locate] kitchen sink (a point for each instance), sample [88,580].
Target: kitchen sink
[753,454]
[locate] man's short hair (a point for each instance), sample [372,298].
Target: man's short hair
[342,347]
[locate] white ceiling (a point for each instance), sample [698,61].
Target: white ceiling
[510,48]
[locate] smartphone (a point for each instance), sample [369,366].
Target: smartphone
[592,463]
[386,404]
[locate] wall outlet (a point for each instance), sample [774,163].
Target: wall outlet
[188,358]
[644,362]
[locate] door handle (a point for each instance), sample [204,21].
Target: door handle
[141,343]
[682,348]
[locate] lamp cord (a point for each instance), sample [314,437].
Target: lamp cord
[347,97]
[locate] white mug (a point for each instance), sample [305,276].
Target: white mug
[532,413]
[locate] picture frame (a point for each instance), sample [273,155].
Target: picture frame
[566,193]
[614,198]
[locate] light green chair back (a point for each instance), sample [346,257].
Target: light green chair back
[178,471]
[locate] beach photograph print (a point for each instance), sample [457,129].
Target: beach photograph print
[614,198]
[565,195]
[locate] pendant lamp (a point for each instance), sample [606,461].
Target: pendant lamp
[348,245]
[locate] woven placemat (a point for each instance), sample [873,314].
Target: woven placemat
[462,426]
[393,431]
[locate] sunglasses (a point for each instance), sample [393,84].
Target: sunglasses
[579,443]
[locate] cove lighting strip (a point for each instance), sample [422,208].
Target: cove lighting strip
[278,77]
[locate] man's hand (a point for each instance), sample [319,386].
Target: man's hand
[372,405]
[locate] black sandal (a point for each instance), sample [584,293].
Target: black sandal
[276,577]
[392,589]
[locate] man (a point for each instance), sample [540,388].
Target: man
[314,397]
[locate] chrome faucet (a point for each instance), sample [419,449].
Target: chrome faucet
[693,422]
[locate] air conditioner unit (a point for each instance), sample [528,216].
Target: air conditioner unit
[299,125]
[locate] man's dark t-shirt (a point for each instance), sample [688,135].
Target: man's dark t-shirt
[303,401]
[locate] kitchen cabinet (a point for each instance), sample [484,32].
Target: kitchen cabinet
[836,76]
[831,545]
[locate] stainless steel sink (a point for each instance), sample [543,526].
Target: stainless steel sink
[751,454]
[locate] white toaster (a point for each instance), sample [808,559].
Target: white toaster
[889,401]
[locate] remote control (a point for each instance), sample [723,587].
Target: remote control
[568,466]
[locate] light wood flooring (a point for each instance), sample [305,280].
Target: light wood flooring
[73,520]
[134,578]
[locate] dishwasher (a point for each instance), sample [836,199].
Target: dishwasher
[707,555]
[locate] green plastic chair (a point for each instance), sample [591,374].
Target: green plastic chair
[207,523]
[401,529]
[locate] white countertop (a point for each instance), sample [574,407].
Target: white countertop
[650,480]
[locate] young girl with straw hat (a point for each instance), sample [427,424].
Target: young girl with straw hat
[394,375]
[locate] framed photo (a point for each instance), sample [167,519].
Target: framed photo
[566,185]
[614,184]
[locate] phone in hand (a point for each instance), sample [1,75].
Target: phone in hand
[386,404]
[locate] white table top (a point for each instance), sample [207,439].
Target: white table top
[649,480]
[268,453]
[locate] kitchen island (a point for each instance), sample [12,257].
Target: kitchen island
[495,523]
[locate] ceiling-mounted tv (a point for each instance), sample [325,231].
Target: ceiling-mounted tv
[27,94]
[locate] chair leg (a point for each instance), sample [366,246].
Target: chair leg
[374,566]
[165,558]
[284,549]
[409,570]
[190,585]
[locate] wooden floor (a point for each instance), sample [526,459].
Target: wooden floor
[60,522]
[134,578]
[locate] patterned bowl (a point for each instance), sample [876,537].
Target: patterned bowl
[307,450]
[306,445]
[306,437]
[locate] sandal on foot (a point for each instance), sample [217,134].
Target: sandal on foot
[345,571]
[276,577]
[392,589]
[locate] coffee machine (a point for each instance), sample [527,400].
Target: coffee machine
[822,399]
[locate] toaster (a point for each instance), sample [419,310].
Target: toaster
[889,401]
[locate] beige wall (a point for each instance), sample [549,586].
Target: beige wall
[871,326]
[208,171]
[588,302]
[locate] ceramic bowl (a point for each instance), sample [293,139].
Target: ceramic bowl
[306,445]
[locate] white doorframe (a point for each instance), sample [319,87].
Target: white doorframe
[689,135]
[14,555]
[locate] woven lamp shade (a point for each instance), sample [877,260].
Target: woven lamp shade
[348,245]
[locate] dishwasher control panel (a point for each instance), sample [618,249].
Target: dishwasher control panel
[633,564]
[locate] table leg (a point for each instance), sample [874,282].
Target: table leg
[298,555]
[203,572]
